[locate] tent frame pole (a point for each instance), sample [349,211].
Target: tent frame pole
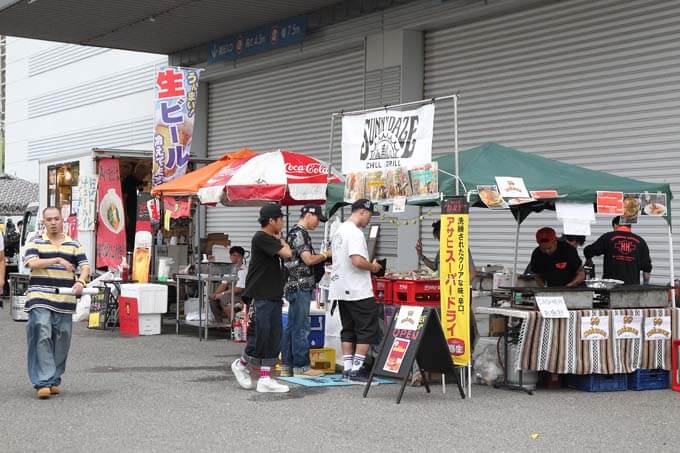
[514,261]
[455,142]
[672,265]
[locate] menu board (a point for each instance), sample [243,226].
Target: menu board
[414,336]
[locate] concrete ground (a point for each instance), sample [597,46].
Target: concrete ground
[168,392]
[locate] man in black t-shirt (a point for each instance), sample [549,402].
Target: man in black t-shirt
[264,284]
[555,263]
[625,254]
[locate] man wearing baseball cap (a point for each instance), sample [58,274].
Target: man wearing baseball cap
[264,284]
[351,287]
[554,262]
[298,291]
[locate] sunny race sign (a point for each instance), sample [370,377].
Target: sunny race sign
[175,96]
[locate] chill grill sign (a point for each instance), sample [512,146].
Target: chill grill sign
[387,138]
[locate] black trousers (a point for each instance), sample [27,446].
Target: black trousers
[264,333]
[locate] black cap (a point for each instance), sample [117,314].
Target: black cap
[313,209]
[270,211]
[363,203]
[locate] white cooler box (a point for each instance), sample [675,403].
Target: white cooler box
[152,300]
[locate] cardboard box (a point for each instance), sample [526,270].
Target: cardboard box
[213,239]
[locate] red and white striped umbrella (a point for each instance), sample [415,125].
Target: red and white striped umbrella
[282,176]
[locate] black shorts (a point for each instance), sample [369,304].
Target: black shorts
[360,321]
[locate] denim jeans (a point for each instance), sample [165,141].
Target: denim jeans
[295,341]
[49,338]
[264,333]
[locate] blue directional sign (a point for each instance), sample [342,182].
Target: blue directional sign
[261,39]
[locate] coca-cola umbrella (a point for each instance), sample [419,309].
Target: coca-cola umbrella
[285,177]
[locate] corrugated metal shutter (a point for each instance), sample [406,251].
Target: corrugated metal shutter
[383,87]
[589,83]
[281,107]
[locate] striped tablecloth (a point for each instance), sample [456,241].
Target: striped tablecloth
[555,345]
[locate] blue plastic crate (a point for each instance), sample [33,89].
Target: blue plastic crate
[649,380]
[317,327]
[598,382]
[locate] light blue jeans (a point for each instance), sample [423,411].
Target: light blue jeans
[295,340]
[49,338]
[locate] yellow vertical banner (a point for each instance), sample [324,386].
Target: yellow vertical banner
[454,279]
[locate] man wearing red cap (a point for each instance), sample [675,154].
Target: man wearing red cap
[554,262]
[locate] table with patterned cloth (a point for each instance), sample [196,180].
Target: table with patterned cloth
[555,345]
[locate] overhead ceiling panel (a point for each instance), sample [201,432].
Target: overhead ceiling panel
[164,27]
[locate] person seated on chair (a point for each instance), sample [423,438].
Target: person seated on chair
[221,299]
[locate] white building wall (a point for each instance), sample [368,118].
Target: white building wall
[65,99]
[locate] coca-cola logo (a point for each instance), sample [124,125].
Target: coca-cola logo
[310,169]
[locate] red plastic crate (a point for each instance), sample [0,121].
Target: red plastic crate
[382,290]
[416,292]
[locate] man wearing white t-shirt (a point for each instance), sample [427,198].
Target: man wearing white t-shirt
[351,287]
[221,298]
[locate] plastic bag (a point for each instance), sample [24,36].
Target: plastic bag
[485,362]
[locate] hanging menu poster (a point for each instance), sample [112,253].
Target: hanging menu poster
[610,203]
[654,204]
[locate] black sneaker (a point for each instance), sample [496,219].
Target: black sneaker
[345,374]
[358,376]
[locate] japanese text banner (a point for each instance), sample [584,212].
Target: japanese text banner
[175,98]
[454,277]
[111,245]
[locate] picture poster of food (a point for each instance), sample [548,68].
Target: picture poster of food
[631,208]
[408,317]
[512,187]
[491,197]
[425,179]
[397,183]
[610,203]
[594,327]
[87,193]
[355,186]
[111,216]
[396,355]
[658,328]
[654,204]
[375,186]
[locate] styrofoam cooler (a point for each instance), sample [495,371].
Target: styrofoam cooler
[149,301]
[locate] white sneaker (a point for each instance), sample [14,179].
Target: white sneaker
[242,374]
[269,385]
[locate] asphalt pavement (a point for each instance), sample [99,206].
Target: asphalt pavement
[174,393]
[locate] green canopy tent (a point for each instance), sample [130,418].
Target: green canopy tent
[480,166]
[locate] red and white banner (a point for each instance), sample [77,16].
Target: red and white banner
[111,215]
[280,176]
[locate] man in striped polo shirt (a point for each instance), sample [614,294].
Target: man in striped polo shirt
[53,259]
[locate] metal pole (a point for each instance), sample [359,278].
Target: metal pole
[198,270]
[469,379]
[330,165]
[455,142]
[670,254]
[514,263]
[404,104]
